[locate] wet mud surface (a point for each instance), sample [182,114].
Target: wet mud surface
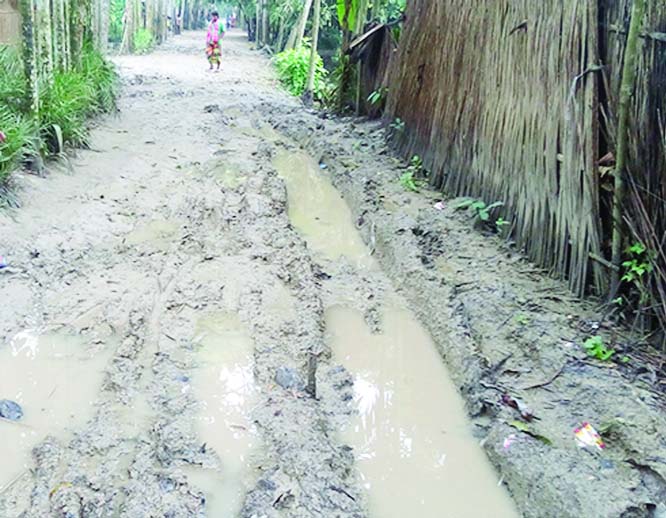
[504,329]
[212,334]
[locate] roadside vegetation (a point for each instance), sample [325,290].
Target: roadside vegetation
[65,101]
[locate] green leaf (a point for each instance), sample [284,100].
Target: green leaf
[347,13]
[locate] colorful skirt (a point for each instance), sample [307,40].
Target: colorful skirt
[213,53]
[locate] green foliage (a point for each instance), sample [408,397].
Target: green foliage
[347,11]
[65,104]
[479,208]
[103,79]
[144,41]
[408,181]
[500,223]
[398,125]
[14,93]
[67,99]
[18,142]
[409,178]
[638,264]
[293,66]
[596,348]
[378,97]
[116,12]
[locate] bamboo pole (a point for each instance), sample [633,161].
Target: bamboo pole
[309,89]
[626,93]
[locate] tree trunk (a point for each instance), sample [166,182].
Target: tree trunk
[309,89]
[279,44]
[302,23]
[265,36]
[626,94]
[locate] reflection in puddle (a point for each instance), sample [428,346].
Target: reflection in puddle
[415,451]
[225,385]
[55,378]
[318,211]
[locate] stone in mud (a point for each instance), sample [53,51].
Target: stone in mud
[10,410]
[289,379]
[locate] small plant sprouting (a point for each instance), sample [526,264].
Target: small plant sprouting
[398,125]
[409,179]
[596,348]
[500,223]
[377,97]
[480,209]
[522,319]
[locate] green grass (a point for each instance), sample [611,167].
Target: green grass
[68,99]
[20,140]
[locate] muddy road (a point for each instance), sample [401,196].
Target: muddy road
[194,327]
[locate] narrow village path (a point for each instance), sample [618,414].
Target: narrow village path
[194,327]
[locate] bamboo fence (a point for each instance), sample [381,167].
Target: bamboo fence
[513,101]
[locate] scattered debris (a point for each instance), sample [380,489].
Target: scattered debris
[586,436]
[3,262]
[516,403]
[510,439]
[10,410]
[439,205]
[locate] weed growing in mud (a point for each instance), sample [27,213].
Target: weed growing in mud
[409,178]
[398,125]
[480,209]
[596,348]
[637,267]
[522,319]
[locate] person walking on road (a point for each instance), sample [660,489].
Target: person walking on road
[213,37]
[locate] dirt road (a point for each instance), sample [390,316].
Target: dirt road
[195,327]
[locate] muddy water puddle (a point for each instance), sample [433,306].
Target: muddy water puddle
[318,211]
[224,384]
[412,440]
[55,378]
[413,443]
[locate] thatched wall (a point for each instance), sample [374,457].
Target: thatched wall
[502,100]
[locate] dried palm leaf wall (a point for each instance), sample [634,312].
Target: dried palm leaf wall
[502,99]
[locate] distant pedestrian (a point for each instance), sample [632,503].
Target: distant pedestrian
[213,37]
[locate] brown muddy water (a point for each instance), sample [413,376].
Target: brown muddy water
[413,443]
[55,378]
[224,384]
[317,210]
